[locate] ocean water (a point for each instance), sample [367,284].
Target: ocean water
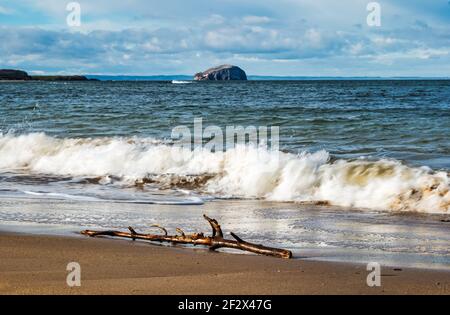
[378,147]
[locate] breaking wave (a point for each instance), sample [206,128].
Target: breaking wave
[181,82]
[243,172]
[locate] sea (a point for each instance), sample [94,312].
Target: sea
[358,170]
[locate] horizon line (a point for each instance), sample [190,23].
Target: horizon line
[269,76]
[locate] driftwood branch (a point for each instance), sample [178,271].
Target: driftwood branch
[213,242]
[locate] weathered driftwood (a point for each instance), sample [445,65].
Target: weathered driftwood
[213,242]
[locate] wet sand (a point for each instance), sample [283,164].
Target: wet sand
[318,232]
[32,264]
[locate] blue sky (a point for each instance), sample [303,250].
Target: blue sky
[265,37]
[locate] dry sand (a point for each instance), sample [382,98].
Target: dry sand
[37,265]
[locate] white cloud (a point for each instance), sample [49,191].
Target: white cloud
[253,19]
[6,11]
[213,19]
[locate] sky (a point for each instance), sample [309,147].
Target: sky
[264,37]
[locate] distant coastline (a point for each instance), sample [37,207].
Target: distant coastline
[10,75]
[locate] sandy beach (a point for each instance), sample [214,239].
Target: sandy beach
[32,264]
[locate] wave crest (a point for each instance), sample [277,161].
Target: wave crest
[239,172]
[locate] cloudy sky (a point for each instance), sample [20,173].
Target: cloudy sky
[265,37]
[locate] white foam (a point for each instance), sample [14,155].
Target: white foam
[59,196]
[159,201]
[181,82]
[239,172]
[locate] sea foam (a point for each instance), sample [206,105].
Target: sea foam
[243,172]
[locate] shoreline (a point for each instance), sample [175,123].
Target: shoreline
[310,232]
[74,232]
[36,264]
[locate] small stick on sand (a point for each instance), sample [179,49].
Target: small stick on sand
[213,242]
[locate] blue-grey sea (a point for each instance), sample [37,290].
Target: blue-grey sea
[405,120]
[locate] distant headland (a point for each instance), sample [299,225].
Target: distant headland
[19,75]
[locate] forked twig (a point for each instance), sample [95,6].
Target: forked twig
[213,242]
